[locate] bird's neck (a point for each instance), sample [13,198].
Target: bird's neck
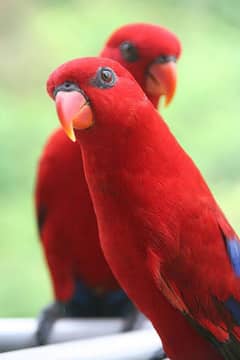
[127,175]
[147,146]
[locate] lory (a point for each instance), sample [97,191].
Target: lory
[82,281]
[162,232]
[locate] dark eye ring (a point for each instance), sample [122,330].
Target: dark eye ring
[129,51]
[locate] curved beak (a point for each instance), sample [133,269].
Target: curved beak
[162,79]
[73,111]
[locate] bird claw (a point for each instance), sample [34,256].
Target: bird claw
[159,355]
[46,320]
[132,320]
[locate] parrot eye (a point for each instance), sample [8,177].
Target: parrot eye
[105,78]
[129,51]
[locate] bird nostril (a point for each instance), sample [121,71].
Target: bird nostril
[67,85]
[165,59]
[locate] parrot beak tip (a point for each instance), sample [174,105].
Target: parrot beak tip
[161,81]
[73,112]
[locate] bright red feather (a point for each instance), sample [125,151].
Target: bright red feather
[69,234]
[158,221]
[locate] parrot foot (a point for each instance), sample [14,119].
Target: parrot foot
[159,355]
[46,320]
[131,320]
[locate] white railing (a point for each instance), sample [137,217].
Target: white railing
[17,333]
[135,345]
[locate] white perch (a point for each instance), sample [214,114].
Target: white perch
[135,345]
[20,333]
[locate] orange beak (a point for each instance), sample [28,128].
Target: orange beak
[162,80]
[73,112]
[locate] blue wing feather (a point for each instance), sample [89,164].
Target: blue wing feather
[233,249]
[234,307]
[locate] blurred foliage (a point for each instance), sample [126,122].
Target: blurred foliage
[38,35]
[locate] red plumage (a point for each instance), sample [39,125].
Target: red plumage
[69,235]
[150,42]
[161,230]
[67,221]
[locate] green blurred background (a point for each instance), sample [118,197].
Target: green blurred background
[35,37]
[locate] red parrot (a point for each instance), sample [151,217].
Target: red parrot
[161,230]
[82,281]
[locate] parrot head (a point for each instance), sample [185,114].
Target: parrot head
[89,91]
[150,53]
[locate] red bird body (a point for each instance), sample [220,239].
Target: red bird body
[67,221]
[77,235]
[161,230]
